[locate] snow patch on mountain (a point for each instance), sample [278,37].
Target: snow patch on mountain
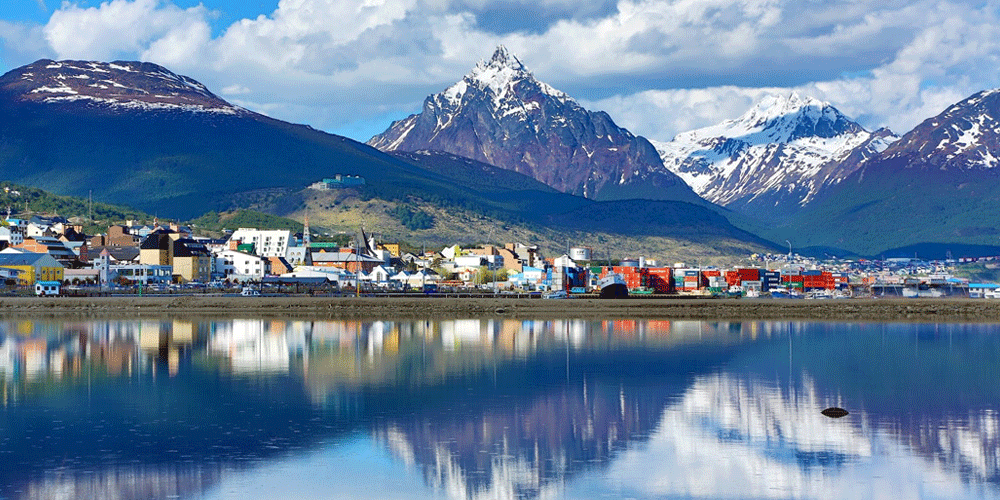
[966,136]
[119,85]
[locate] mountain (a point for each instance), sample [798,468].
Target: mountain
[938,183]
[502,115]
[140,135]
[534,203]
[118,86]
[775,158]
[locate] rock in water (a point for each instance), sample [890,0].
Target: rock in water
[835,412]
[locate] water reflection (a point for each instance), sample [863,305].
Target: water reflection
[485,408]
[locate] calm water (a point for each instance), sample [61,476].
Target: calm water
[262,409]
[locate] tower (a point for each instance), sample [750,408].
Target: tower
[305,232]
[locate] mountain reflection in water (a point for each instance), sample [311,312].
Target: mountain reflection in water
[186,408]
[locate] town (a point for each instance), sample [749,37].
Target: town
[50,255]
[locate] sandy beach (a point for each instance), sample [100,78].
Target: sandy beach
[952,310]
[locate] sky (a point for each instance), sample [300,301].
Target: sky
[658,67]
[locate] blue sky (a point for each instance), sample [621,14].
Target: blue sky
[659,67]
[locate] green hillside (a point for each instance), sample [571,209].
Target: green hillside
[217,223]
[25,200]
[901,209]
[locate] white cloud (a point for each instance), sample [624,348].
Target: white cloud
[235,90]
[952,57]
[119,28]
[674,64]
[22,42]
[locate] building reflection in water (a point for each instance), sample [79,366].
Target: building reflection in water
[491,408]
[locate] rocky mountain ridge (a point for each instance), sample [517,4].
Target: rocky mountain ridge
[502,115]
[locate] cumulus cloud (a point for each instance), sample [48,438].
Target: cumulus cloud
[119,28]
[953,55]
[22,42]
[668,65]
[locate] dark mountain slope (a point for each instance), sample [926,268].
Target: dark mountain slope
[938,184]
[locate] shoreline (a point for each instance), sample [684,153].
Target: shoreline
[352,308]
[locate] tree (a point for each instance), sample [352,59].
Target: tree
[486,275]
[444,273]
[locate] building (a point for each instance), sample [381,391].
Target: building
[141,273]
[279,266]
[118,236]
[12,235]
[32,266]
[524,255]
[266,243]
[53,246]
[346,259]
[338,181]
[190,260]
[392,248]
[240,266]
[119,255]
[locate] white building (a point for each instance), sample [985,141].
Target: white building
[36,230]
[337,276]
[418,279]
[563,261]
[466,262]
[266,243]
[381,274]
[297,256]
[451,252]
[240,266]
[12,235]
[141,273]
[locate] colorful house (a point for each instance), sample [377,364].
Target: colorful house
[33,267]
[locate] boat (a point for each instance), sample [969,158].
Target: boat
[613,286]
[785,293]
[556,294]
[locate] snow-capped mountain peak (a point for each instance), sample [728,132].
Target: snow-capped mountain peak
[118,85]
[781,152]
[500,114]
[497,76]
[965,136]
[781,119]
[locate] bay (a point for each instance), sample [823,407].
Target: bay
[486,408]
